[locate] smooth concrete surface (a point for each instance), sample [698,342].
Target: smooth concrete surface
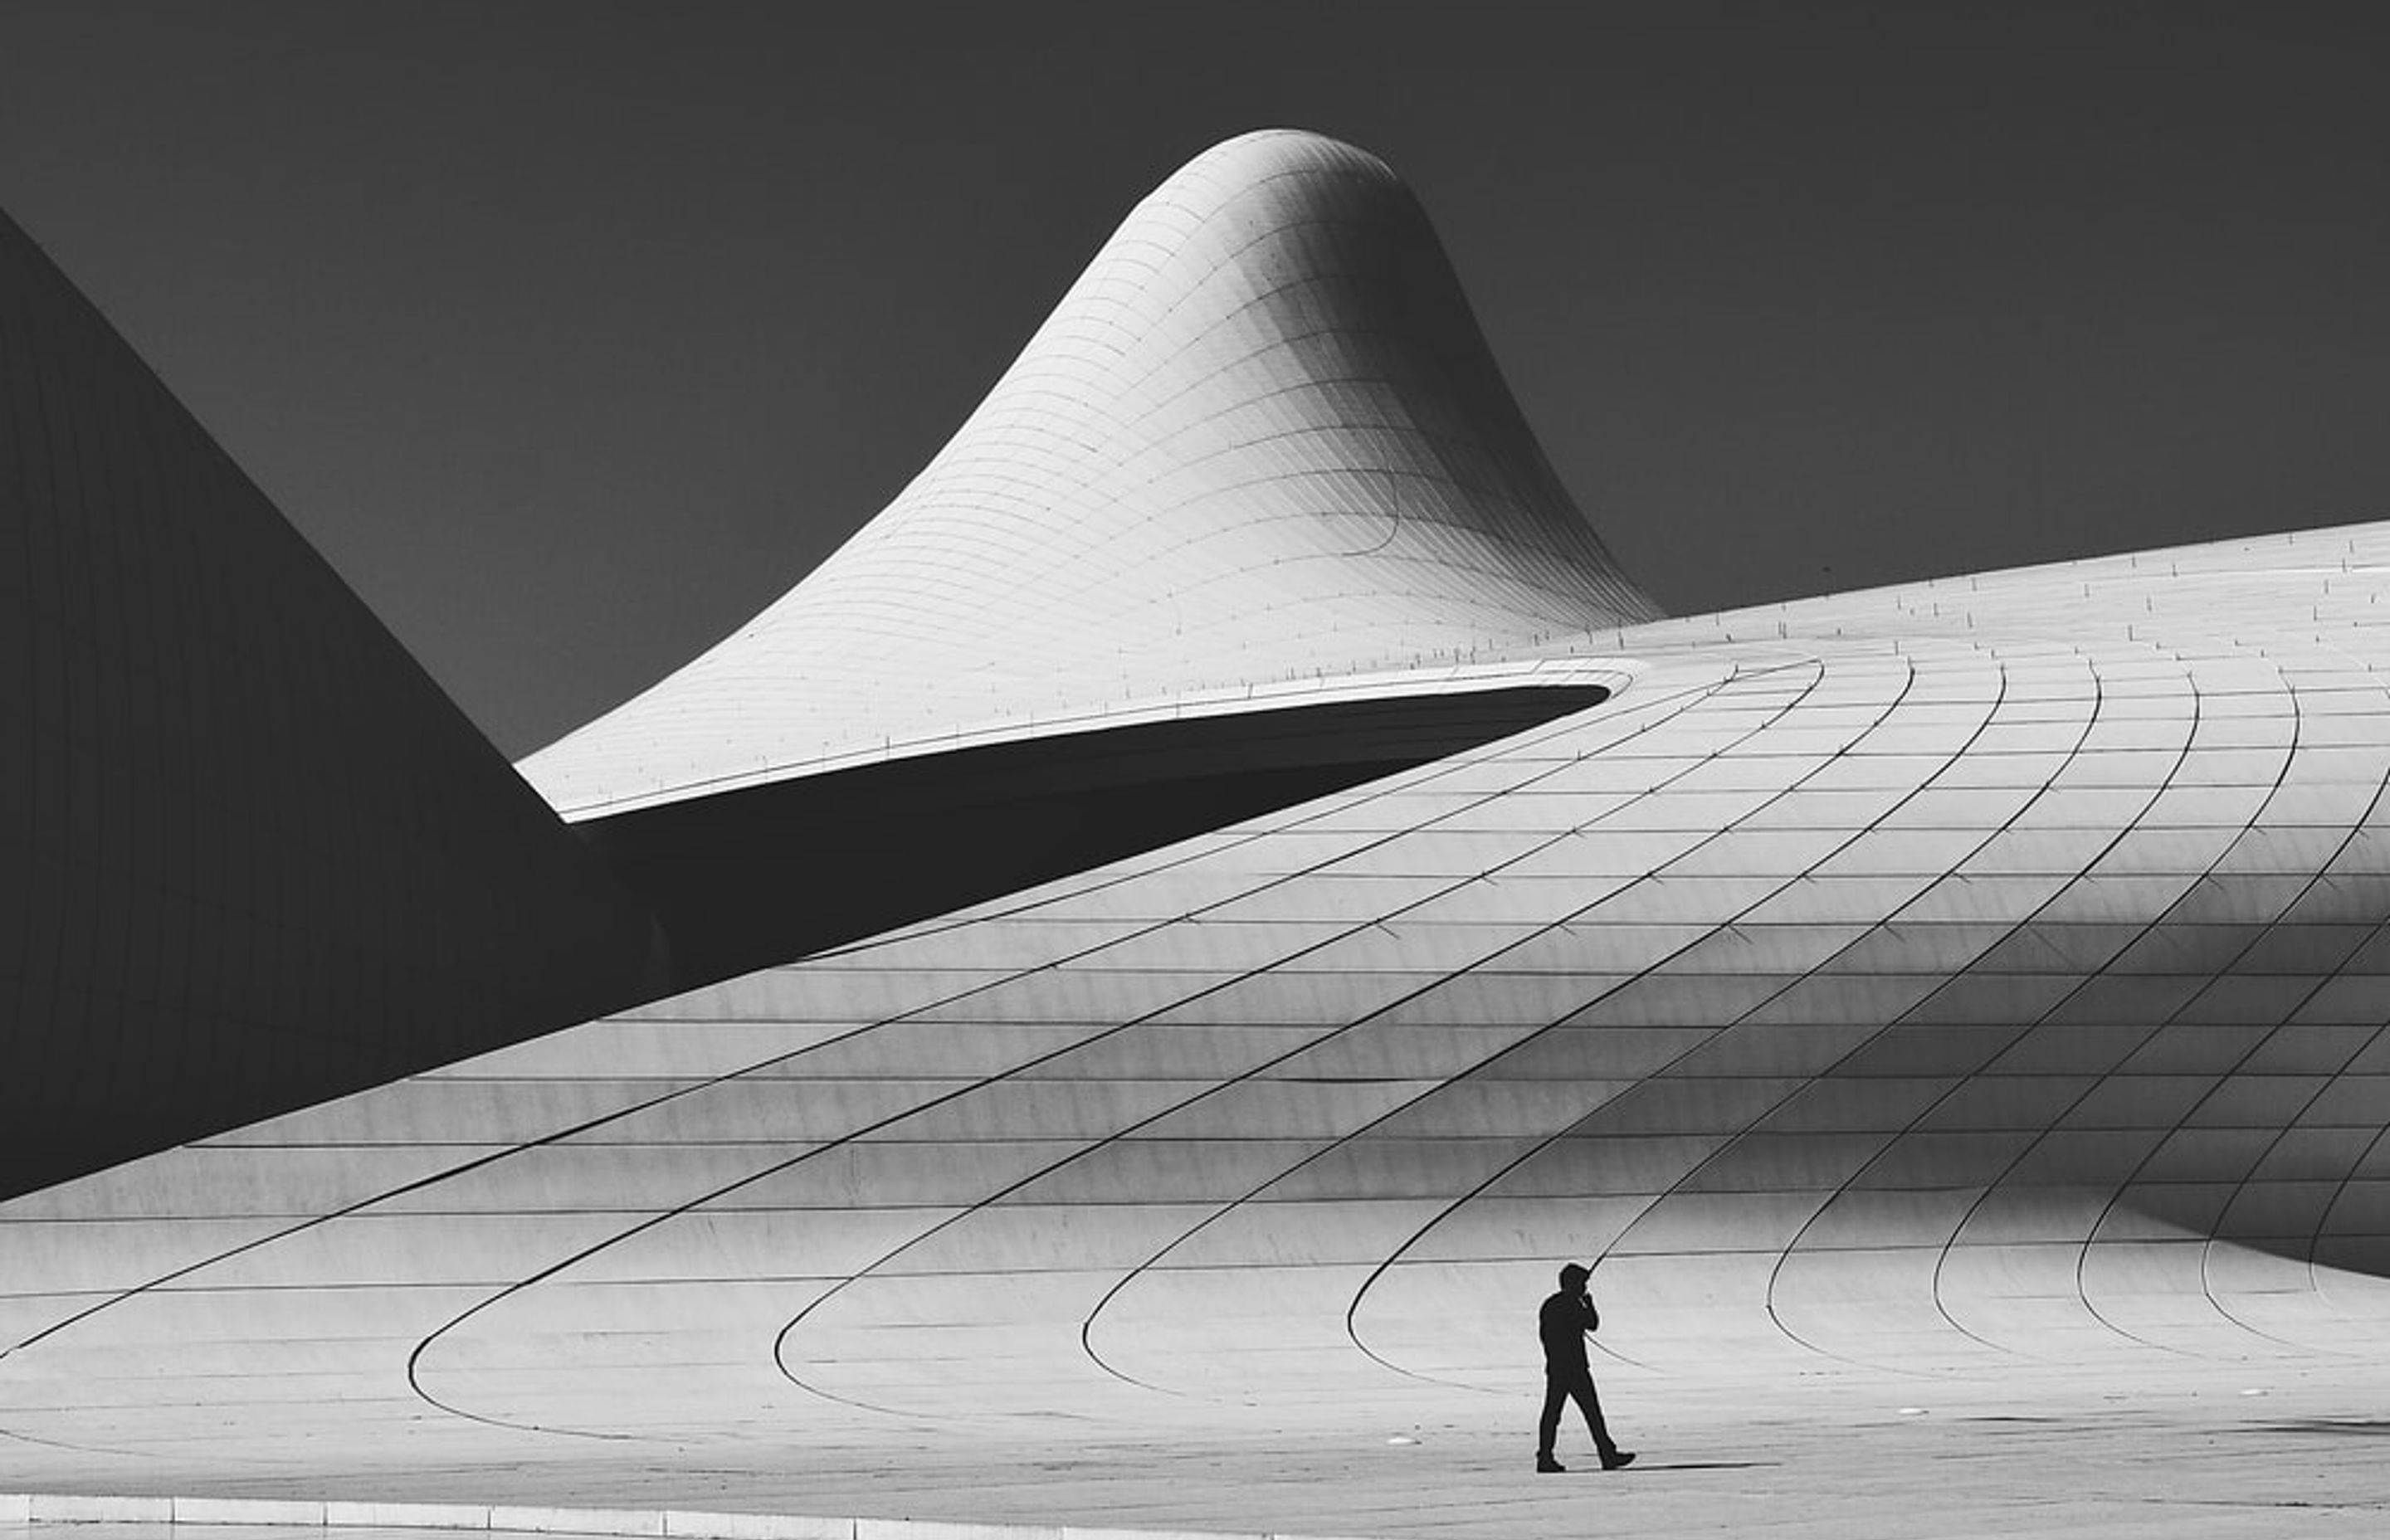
[2210,1452]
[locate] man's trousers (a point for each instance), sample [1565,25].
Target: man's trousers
[1559,1386]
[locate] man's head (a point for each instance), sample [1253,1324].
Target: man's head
[1572,1278]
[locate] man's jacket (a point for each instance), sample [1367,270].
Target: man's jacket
[1563,1324]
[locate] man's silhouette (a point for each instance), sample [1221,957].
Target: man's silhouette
[1562,1323]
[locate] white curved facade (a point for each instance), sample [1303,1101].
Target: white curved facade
[1970,989]
[1259,441]
[1948,978]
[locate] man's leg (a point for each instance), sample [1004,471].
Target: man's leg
[1589,1402]
[1547,1428]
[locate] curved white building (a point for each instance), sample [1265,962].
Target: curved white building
[1259,441]
[1976,989]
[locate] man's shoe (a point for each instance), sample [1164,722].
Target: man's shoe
[1618,1460]
[1547,1465]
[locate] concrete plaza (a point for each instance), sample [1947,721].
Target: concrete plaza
[2193,1448]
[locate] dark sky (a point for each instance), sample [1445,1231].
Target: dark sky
[572,334]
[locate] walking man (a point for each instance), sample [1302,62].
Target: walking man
[1562,1323]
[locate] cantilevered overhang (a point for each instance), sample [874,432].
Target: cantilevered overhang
[765,868]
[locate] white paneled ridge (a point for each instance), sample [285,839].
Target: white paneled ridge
[1260,440]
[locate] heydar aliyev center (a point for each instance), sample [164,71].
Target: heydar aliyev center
[1145,962]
